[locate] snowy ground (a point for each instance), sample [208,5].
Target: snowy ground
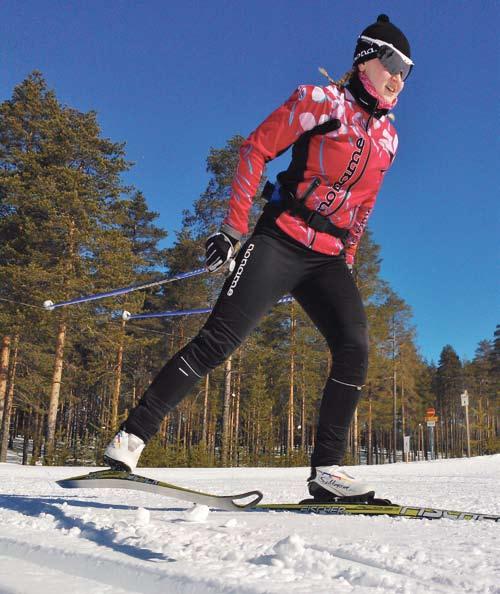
[102,541]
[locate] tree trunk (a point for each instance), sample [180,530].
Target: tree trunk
[226,429]
[236,436]
[369,451]
[403,423]
[134,396]
[303,422]
[55,393]
[37,437]
[212,428]
[27,424]
[480,427]
[204,427]
[4,371]
[8,404]
[179,426]
[291,428]
[394,416]
[355,437]
[69,421]
[115,399]
[164,431]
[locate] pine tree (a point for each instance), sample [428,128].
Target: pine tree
[60,184]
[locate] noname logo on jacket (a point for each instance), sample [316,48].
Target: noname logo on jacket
[346,176]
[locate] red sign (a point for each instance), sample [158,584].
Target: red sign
[430,412]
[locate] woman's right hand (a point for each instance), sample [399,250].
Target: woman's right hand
[219,249]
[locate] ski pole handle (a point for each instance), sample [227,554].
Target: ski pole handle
[312,186]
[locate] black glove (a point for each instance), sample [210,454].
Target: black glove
[219,249]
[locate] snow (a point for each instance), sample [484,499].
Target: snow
[198,513]
[142,516]
[93,541]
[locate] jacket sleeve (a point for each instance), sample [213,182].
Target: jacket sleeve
[358,228]
[307,107]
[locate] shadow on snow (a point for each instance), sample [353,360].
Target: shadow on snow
[35,506]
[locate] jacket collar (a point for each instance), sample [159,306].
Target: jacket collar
[364,99]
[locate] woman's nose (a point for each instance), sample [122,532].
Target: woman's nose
[398,77]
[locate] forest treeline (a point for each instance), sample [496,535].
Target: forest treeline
[69,226]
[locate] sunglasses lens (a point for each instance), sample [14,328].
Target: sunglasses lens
[393,62]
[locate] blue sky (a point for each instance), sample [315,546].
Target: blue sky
[173,79]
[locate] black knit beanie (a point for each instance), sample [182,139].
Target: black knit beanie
[382,30]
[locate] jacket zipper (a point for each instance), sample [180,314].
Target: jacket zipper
[364,167]
[370,118]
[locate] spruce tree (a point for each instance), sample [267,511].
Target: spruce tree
[449,386]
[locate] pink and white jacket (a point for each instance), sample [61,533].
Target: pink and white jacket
[350,163]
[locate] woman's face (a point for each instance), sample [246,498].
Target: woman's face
[386,84]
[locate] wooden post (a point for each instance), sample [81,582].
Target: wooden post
[465,402]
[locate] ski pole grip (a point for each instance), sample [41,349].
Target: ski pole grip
[313,185]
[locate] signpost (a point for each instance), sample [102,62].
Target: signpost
[430,419]
[465,402]
[406,447]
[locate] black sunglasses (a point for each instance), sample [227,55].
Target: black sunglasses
[394,61]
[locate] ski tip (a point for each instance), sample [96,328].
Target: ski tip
[76,482]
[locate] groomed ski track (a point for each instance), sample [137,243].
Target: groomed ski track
[117,576]
[87,541]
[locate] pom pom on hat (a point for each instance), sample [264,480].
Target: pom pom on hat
[383,30]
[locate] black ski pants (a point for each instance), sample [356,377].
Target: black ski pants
[269,266]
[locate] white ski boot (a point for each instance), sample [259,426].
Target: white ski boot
[331,482]
[124,451]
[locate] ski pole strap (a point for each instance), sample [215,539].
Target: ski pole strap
[295,206]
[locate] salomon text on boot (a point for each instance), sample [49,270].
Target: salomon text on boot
[330,483]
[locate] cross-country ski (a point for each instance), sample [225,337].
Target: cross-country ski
[249,501]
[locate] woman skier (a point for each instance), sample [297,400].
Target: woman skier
[304,244]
